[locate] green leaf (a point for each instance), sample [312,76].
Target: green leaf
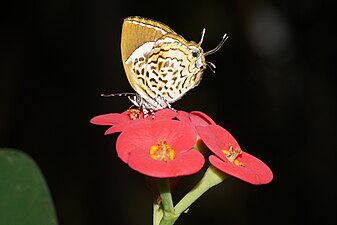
[24,195]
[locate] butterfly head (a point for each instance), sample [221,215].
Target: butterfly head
[199,51]
[197,57]
[136,99]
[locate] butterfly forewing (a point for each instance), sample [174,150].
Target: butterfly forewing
[136,31]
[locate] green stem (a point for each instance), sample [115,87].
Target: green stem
[201,147]
[168,216]
[211,178]
[165,194]
[169,219]
[166,213]
[157,212]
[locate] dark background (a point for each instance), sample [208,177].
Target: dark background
[274,90]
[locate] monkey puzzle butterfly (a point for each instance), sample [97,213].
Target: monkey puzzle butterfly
[160,65]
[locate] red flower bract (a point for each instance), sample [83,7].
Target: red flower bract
[120,121]
[160,149]
[229,157]
[197,118]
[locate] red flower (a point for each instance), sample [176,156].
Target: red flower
[120,121]
[160,149]
[230,159]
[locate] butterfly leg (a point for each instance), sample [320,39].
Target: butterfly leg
[170,107]
[146,112]
[152,113]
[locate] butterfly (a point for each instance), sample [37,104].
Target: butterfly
[160,65]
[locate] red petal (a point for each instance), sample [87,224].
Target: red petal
[197,118]
[216,138]
[122,126]
[165,114]
[132,140]
[178,135]
[110,118]
[117,128]
[183,116]
[200,119]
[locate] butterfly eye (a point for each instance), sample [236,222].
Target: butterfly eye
[195,54]
[138,99]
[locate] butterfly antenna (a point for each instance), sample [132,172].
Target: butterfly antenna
[118,94]
[202,36]
[211,66]
[224,38]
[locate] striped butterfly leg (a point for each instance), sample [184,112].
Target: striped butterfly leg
[170,107]
[146,112]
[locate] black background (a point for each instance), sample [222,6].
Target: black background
[274,90]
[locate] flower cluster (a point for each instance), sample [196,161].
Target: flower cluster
[166,146]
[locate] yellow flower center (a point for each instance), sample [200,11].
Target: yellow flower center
[232,154]
[162,151]
[134,114]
